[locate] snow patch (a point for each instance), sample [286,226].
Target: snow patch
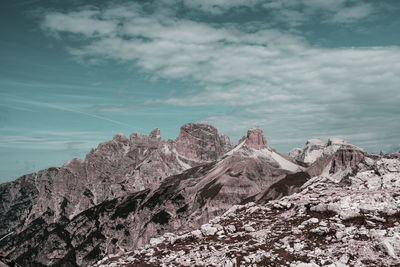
[236,148]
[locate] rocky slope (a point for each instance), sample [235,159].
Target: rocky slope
[347,218]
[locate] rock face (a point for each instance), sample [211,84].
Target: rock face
[337,219]
[256,139]
[201,142]
[316,148]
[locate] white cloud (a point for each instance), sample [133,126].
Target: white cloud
[219,6]
[84,22]
[350,14]
[301,11]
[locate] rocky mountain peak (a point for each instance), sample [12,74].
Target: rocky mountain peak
[255,138]
[201,142]
[336,141]
[315,142]
[152,140]
[316,148]
[121,138]
[155,133]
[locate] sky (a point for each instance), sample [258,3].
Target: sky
[74,73]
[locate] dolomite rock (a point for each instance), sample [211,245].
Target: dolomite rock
[198,141]
[313,150]
[316,148]
[256,139]
[208,229]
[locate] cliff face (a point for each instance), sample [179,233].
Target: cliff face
[199,141]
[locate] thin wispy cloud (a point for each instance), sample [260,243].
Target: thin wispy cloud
[64,107]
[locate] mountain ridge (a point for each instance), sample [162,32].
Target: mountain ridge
[128,191]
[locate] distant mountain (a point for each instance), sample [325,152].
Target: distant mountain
[128,191]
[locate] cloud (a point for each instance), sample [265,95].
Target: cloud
[49,140]
[218,7]
[271,76]
[350,14]
[68,108]
[299,12]
[84,22]
[289,11]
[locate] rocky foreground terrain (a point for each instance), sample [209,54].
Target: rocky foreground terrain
[351,218]
[199,200]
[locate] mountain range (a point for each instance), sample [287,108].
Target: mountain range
[199,200]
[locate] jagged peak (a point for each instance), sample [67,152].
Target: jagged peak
[194,127]
[315,141]
[155,133]
[120,137]
[336,141]
[316,148]
[256,138]
[201,142]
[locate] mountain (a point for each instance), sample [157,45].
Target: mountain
[115,168]
[180,202]
[127,193]
[347,218]
[316,148]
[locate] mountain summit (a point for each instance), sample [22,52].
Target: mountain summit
[199,141]
[256,138]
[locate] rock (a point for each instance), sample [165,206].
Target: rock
[208,229]
[199,141]
[249,228]
[156,241]
[298,247]
[119,137]
[255,138]
[313,150]
[323,223]
[197,233]
[230,228]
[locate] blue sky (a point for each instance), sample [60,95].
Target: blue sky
[73,73]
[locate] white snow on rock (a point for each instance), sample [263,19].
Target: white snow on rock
[316,148]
